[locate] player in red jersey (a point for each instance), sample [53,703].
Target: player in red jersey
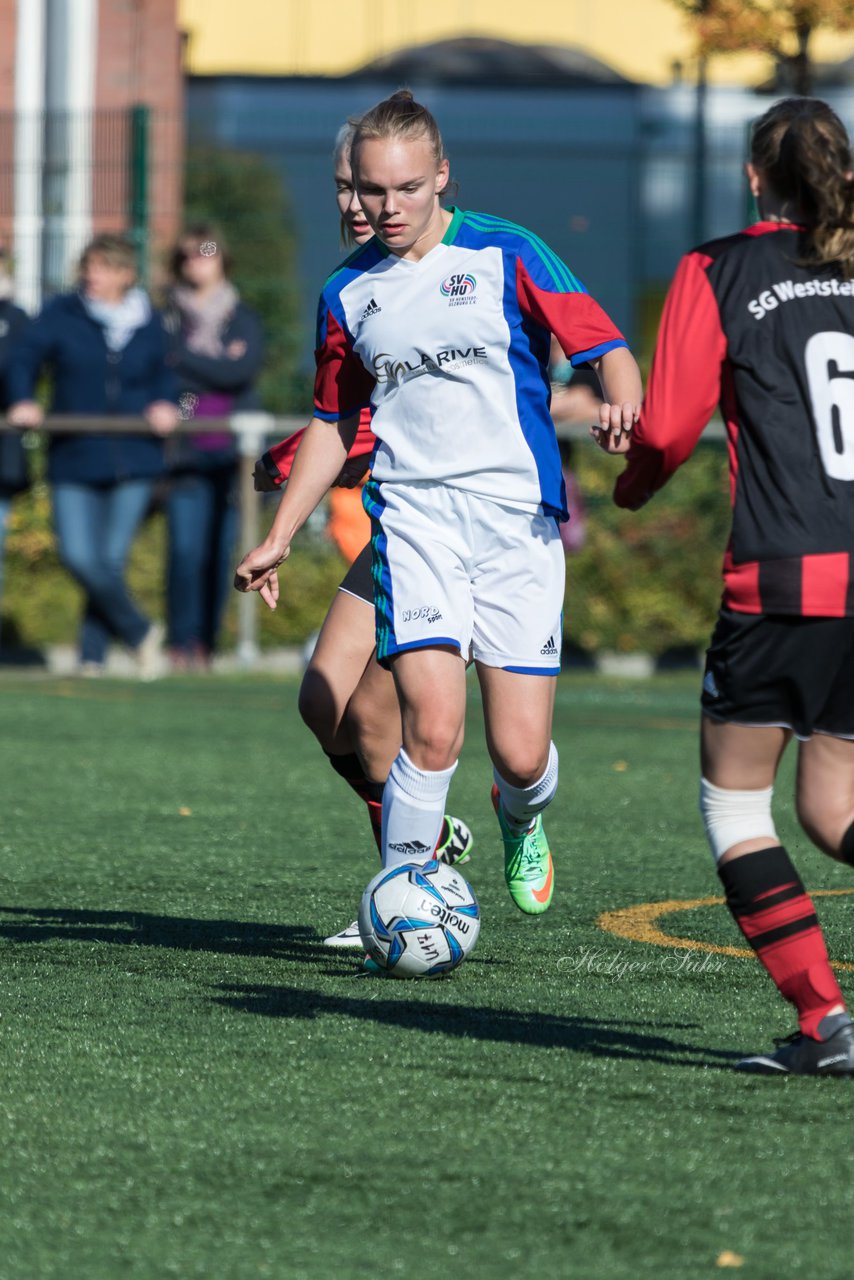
[346,698]
[763,321]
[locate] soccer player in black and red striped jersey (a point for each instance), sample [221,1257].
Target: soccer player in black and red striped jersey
[763,322]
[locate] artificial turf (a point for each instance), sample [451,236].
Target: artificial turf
[193,1086]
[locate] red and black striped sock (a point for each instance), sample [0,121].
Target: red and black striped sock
[349,767]
[775,913]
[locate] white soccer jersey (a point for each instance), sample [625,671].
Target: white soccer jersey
[451,352]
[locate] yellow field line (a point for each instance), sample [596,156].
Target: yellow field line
[640,924]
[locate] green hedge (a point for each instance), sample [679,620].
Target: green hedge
[648,581]
[41,603]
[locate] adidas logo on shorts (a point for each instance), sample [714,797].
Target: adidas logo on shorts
[371,310]
[549,649]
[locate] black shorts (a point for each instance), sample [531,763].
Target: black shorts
[798,673]
[357,580]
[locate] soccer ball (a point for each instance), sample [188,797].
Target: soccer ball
[419,921]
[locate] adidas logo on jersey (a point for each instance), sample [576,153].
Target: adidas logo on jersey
[371,310]
[549,649]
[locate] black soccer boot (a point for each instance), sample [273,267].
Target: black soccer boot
[800,1055]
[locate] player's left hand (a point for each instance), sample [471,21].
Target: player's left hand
[613,433]
[351,474]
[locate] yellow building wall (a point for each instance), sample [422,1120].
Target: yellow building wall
[640,38]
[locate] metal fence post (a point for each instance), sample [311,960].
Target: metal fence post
[140,118]
[251,430]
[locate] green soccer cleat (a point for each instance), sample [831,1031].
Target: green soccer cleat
[528,866]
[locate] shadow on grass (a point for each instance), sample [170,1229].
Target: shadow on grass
[596,1037]
[179,933]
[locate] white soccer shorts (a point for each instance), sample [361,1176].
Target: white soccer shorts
[452,568]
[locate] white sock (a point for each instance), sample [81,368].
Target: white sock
[413,809]
[522,804]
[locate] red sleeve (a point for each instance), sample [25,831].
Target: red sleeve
[342,384]
[684,384]
[279,459]
[577,321]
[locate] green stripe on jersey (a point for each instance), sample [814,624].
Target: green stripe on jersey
[556,267]
[457,220]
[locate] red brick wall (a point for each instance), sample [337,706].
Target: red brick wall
[8,32]
[139,61]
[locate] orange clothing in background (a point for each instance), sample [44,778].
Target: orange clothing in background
[349,524]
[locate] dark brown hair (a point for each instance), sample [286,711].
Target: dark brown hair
[801,147]
[201,233]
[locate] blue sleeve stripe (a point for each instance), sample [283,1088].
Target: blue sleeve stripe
[595,352]
[560,273]
[372,252]
[558,270]
[340,414]
[320,326]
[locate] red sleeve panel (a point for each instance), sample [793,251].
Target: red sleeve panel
[578,322]
[342,384]
[279,459]
[684,384]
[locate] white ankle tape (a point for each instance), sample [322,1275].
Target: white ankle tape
[732,816]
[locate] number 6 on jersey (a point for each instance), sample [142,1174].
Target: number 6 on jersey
[829,359]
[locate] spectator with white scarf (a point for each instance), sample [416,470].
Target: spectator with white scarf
[106,349]
[218,351]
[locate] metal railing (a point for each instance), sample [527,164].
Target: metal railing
[253,430]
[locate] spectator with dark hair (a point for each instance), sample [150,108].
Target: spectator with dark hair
[106,349]
[13,463]
[218,350]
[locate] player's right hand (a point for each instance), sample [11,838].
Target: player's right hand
[257,571]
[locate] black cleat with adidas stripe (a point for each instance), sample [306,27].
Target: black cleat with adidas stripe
[800,1055]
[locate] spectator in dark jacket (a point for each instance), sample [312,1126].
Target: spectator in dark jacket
[13,461]
[218,353]
[106,349]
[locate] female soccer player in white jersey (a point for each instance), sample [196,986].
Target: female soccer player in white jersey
[762,321]
[442,324]
[346,698]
